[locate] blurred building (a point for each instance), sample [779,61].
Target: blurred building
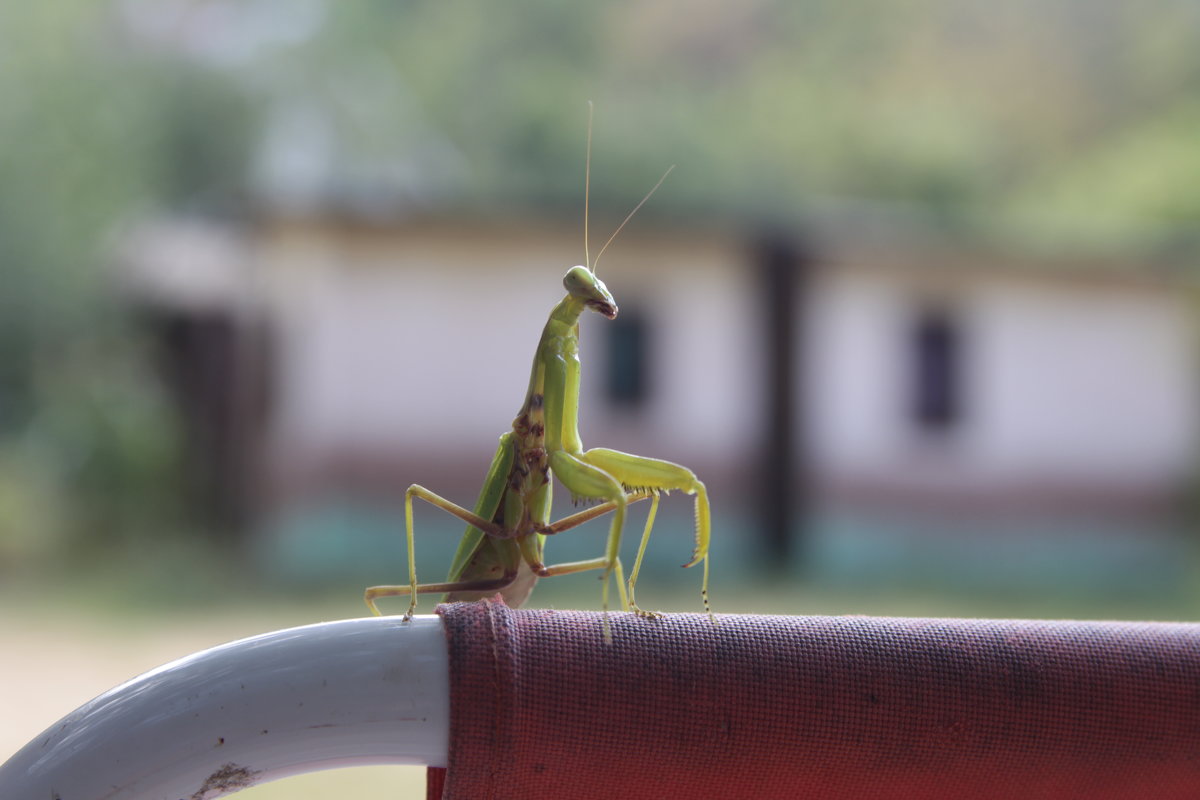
[860,392]
[942,389]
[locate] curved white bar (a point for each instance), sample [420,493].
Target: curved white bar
[361,691]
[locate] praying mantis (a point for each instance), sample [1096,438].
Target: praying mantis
[501,550]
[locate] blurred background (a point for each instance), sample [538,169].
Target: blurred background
[918,304]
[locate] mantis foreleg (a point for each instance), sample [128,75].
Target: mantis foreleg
[638,473]
[587,480]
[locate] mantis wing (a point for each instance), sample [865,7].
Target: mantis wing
[490,496]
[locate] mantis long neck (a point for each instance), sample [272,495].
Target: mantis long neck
[549,416]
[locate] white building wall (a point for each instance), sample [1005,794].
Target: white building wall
[392,350]
[704,403]
[422,345]
[1066,382]
[855,379]
[1094,383]
[416,345]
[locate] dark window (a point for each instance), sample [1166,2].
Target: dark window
[628,371]
[936,345]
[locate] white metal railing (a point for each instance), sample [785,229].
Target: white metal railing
[335,694]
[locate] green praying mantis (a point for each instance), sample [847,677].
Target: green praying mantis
[501,550]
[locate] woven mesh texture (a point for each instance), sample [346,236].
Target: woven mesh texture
[822,707]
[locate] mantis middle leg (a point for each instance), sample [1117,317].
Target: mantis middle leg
[532,553]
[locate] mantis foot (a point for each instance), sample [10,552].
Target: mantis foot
[644,614]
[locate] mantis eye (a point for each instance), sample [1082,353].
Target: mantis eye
[579,280]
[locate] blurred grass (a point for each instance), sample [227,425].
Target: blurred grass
[400,783]
[178,580]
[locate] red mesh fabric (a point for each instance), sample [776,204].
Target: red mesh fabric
[435,782]
[823,707]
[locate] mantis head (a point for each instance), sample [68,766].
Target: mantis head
[583,284]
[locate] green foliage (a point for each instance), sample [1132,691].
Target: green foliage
[94,136]
[960,109]
[1140,186]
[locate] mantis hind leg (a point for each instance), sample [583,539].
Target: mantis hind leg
[373,593]
[641,474]
[480,526]
[413,588]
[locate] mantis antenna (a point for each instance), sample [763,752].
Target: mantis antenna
[587,181]
[631,213]
[587,191]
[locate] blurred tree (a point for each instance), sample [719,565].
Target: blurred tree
[95,134]
[949,108]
